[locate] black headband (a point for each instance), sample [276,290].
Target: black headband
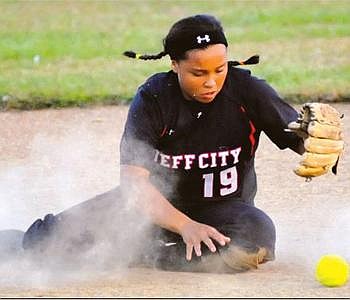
[193,40]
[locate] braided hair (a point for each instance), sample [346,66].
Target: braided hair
[194,32]
[177,40]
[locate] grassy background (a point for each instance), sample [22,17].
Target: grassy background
[303,45]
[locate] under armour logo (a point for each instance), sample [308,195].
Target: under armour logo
[201,39]
[199,115]
[171,131]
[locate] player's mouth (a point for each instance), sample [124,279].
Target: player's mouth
[208,96]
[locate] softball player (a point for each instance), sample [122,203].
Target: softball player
[195,130]
[187,156]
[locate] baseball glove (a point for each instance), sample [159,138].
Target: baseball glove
[320,126]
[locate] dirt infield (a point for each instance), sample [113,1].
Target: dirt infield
[53,159]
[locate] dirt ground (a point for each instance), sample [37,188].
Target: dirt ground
[53,159]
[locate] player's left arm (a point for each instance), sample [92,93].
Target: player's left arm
[272,115]
[315,132]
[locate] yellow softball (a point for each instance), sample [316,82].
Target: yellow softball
[332,270]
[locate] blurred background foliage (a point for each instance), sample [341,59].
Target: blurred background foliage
[69,53]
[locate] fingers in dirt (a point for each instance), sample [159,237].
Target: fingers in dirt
[220,238]
[210,245]
[189,250]
[197,249]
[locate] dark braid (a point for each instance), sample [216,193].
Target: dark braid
[132,54]
[253,60]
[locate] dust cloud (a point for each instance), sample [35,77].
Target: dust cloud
[59,164]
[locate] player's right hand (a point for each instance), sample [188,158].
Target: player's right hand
[194,233]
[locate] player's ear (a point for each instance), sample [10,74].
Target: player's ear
[174,66]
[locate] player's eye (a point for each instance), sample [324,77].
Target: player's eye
[220,70]
[197,74]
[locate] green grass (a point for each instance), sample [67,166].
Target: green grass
[304,47]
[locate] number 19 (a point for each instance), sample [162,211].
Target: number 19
[228,181]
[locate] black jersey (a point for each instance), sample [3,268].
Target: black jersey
[200,152]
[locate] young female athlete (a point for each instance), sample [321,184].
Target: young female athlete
[187,158]
[196,130]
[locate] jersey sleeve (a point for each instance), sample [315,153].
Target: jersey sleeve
[141,132]
[272,114]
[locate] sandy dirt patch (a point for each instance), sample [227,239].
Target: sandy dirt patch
[53,159]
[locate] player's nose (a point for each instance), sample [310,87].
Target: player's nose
[210,83]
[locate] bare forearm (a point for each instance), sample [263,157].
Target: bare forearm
[146,198]
[160,210]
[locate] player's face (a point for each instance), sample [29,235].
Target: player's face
[202,74]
